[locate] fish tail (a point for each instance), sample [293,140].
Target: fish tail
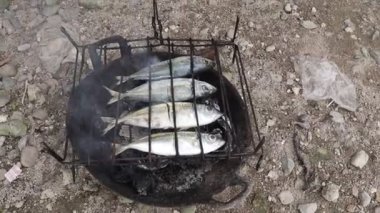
[114,95]
[119,148]
[110,123]
[125,79]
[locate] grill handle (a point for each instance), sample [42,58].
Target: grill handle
[95,57]
[239,198]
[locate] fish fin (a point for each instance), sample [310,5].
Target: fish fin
[114,95]
[110,123]
[125,79]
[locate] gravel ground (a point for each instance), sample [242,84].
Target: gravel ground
[340,147]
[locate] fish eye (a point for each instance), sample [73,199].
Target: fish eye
[213,137]
[209,108]
[204,87]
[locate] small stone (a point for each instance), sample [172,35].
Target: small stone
[32,92]
[14,128]
[296,90]
[8,83]
[375,35]
[29,156]
[286,197]
[351,208]
[372,190]
[90,187]
[19,204]
[50,10]
[349,30]
[287,165]
[2,140]
[323,25]
[23,47]
[251,24]
[204,31]
[40,114]
[176,211]
[4,97]
[8,70]
[355,191]
[378,196]
[375,54]
[4,4]
[337,117]
[309,24]
[3,118]
[365,199]
[331,192]
[2,173]
[13,154]
[47,194]
[308,208]
[49,207]
[350,24]
[270,48]
[273,175]
[354,37]
[271,122]
[69,14]
[66,177]
[359,159]
[230,33]
[92,4]
[288,8]
[22,143]
[377,209]
[189,209]
[16,115]
[124,200]
[313,10]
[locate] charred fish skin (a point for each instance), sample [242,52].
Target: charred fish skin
[181,66]
[164,143]
[162,116]
[161,91]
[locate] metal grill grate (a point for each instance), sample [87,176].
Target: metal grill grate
[98,53]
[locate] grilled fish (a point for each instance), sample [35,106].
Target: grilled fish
[164,143]
[162,116]
[161,91]
[161,70]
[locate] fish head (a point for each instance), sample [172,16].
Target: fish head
[204,89]
[213,142]
[201,63]
[211,112]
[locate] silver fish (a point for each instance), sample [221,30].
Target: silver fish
[161,70]
[162,116]
[164,144]
[161,91]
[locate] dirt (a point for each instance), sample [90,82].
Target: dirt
[328,145]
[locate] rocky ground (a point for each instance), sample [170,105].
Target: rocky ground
[339,148]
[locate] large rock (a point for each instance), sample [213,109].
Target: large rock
[50,10]
[4,4]
[286,197]
[331,192]
[5,97]
[92,4]
[8,70]
[29,156]
[54,46]
[308,208]
[14,128]
[359,159]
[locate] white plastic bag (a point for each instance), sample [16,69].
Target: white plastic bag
[322,79]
